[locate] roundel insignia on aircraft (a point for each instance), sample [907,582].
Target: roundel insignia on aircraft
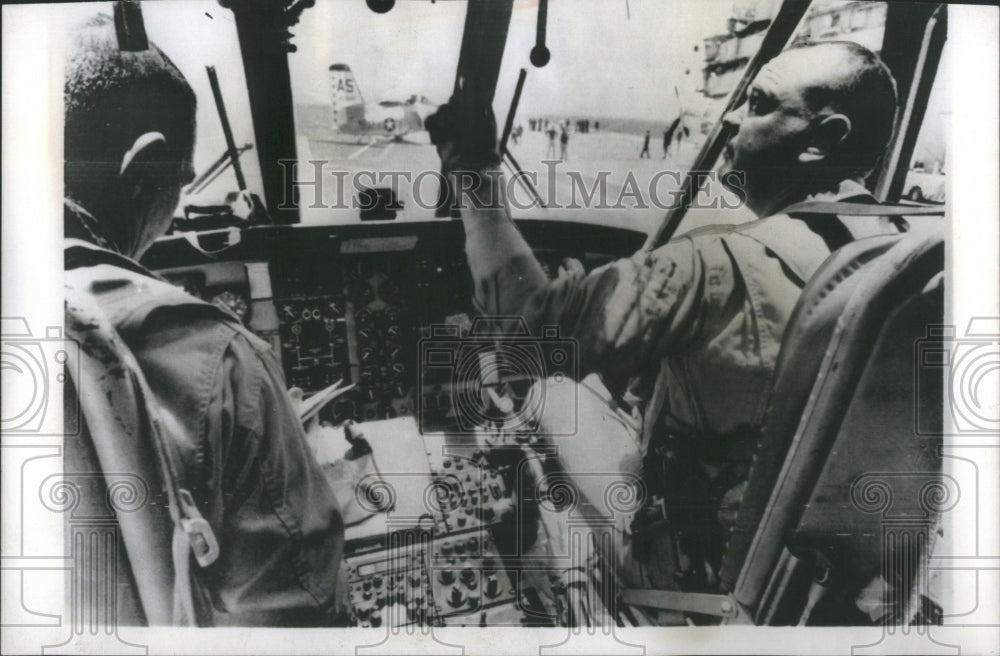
[389,124]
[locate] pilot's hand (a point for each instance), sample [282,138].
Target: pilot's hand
[571,267]
[465,137]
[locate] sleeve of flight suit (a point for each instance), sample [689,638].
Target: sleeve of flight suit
[622,315]
[281,531]
[250,471]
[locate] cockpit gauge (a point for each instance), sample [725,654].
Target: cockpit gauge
[232,302]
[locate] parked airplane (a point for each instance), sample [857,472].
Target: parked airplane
[387,119]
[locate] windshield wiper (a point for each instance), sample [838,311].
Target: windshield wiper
[227,130]
[243,204]
[508,126]
[217,168]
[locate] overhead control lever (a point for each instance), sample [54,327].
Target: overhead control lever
[483,41]
[129,26]
[540,55]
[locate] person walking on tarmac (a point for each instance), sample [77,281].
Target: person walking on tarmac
[550,132]
[645,147]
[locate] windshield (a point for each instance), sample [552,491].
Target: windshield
[362,84]
[604,132]
[926,178]
[610,125]
[619,113]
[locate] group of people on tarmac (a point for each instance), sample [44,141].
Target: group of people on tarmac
[701,318]
[555,132]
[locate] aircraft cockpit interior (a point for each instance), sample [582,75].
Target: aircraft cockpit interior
[319,217]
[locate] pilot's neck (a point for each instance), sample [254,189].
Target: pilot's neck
[776,202]
[786,195]
[81,221]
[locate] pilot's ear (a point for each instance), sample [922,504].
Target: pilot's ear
[825,137]
[149,148]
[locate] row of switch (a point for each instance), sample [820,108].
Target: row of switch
[392,596]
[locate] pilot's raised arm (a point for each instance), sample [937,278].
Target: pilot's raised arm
[705,313]
[620,315]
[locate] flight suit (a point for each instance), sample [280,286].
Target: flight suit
[240,442]
[699,321]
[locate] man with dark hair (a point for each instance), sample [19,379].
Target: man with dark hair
[699,321]
[127,113]
[265,531]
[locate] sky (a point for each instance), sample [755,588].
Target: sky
[609,57]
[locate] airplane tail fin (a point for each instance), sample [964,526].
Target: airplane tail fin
[345,92]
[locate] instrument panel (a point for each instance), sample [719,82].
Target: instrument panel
[352,303]
[359,304]
[440,551]
[362,327]
[314,346]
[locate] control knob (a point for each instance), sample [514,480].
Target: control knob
[457,598]
[468,577]
[492,587]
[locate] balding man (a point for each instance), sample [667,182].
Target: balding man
[701,319]
[270,552]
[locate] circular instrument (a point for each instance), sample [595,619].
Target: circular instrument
[232,302]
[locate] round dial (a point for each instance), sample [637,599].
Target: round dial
[232,302]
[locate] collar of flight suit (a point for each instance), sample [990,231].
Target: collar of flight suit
[846,189]
[125,290]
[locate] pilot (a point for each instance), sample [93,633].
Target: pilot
[129,136]
[699,321]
